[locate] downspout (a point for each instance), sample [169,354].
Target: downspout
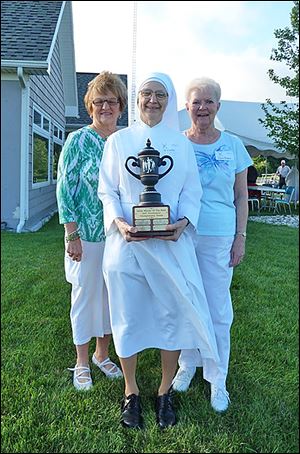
[24,150]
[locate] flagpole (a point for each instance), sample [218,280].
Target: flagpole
[133,68]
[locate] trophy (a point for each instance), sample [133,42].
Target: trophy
[150,216]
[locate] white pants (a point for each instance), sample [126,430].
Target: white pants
[213,254]
[89,303]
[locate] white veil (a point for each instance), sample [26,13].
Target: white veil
[170,117]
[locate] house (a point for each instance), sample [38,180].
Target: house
[41,102]
[38,91]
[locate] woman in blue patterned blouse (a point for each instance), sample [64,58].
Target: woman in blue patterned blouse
[221,231]
[81,212]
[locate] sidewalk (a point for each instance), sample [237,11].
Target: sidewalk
[291,221]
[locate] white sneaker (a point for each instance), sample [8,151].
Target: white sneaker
[81,377]
[183,378]
[219,398]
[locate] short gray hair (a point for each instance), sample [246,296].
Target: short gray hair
[202,82]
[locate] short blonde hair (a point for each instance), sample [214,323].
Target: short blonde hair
[202,82]
[102,84]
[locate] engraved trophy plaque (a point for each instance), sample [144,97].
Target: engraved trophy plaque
[150,216]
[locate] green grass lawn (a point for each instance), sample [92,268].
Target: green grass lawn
[43,413]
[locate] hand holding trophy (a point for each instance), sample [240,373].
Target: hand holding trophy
[150,216]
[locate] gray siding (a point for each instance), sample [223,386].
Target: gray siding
[10,151]
[46,92]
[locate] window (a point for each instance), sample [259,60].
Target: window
[47,143]
[40,148]
[40,158]
[37,118]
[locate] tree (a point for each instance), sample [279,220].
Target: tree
[282,121]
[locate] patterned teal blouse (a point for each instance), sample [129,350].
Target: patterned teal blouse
[77,183]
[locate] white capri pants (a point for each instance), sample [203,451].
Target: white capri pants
[89,302]
[213,254]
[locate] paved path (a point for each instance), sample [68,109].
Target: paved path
[291,221]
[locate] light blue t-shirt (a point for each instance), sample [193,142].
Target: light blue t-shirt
[218,163]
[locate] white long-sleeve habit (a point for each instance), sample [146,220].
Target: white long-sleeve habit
[155,289]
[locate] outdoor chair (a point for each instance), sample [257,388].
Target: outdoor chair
[267,200]
[252,201]
[254,197]
[286,201]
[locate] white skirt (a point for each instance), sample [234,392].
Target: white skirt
[89,303]
[156,296]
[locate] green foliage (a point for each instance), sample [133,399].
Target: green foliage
[282,120]
[269,165]
[40,159]
[260,164]
[43,413]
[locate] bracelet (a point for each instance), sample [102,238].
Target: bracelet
[244,234]
[74,231]
[72,236]
[184,217]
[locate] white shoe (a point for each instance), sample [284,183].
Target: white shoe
[82,377]
[113,372]
[219,398]
[183,378]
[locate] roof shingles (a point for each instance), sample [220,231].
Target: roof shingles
[27,29]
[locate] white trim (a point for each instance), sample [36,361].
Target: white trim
[58,142]
[67,60]
[74,109]
[24,154]
[24,64]
[47,135]
[55,35]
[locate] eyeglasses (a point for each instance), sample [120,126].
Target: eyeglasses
[110,102]
[147,94]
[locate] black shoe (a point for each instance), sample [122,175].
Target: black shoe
[132,412]
[165,414]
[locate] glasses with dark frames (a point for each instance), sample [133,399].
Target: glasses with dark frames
[110,102]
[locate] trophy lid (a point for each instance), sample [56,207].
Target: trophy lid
[148,150]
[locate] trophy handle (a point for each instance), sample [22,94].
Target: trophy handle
[134,164]
[163,163]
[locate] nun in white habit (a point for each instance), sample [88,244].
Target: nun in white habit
[156,295]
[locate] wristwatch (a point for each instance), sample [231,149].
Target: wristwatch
[244,234]
[184,217]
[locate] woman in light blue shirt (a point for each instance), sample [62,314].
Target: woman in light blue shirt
[221,232]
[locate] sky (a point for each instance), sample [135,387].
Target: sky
[230,42]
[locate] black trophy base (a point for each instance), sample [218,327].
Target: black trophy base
[151,220]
